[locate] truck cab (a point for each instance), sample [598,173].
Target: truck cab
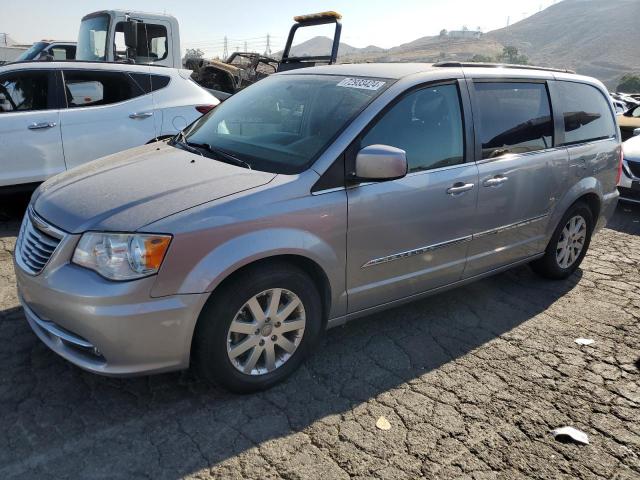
[128,36]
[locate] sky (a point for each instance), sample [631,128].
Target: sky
[204,23]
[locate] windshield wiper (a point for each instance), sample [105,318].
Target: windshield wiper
[181,139]
[226,157]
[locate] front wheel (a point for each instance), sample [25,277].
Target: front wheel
[258,328]
[568,245]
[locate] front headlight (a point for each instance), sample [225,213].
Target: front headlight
[121,256]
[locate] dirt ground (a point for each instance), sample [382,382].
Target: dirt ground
[471,381]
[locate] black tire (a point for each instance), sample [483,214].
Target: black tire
[210,356]
[548,265]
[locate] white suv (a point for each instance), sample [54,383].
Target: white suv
[56,115]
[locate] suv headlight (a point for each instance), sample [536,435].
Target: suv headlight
[121,256]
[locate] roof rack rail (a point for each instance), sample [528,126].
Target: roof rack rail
[500,65]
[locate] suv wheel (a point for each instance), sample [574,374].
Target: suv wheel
[258,328]
[568,245]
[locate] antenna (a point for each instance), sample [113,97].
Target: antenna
[147,46]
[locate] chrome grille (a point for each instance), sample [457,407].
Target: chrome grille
[36,243]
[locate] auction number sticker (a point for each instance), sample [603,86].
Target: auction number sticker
[364,83]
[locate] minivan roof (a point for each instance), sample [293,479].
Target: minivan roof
[399,70]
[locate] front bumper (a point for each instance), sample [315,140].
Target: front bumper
[110,328]
[607,209]
[629,186]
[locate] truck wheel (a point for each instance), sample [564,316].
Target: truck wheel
[258,328]
[568,245]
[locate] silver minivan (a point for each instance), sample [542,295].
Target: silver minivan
[306,200]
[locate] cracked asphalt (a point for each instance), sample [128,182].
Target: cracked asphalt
[471,380]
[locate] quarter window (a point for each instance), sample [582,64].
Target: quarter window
[87,88]
[427,125]
[586,112]
[513,118]
[24,91]
[149,82]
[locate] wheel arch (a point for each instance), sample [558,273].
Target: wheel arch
[307,265]
[304,263]
[589,191]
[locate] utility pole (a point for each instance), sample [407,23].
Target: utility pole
[267,52]
[225,52]
[245,46]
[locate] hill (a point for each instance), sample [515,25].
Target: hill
[600,38]
[322,46]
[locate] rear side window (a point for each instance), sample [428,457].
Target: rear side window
[427,125]
[514,117]
[86,88]
[586,113]
[24,91]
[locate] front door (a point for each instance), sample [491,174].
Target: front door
[411,235]
[30,144]
[107,112]
[521,174]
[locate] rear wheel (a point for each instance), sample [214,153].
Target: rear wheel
[568,245]
[258,328]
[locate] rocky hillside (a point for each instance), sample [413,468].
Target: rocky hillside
[600,38]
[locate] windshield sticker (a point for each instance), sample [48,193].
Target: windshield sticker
[363,83]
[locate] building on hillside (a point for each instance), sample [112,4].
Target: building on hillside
[465,34]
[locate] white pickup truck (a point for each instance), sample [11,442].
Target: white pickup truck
[152,38]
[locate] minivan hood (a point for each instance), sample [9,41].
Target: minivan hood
[128,190]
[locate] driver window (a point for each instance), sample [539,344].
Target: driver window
[24,91]
[427,125]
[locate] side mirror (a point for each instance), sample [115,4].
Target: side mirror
[130,29]
[378,163]
[636,132]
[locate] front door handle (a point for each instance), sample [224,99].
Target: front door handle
[495,181]
[137,115]
[459,187]
[41,125]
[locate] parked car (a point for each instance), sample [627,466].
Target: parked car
[629,185]
[628,122]
[307,200]
[619,106]
[56,115]
[49,50]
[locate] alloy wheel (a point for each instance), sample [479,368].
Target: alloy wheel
[266,331]
[571,241]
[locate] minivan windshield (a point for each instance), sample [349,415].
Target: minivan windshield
[284,122]
[92,38]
